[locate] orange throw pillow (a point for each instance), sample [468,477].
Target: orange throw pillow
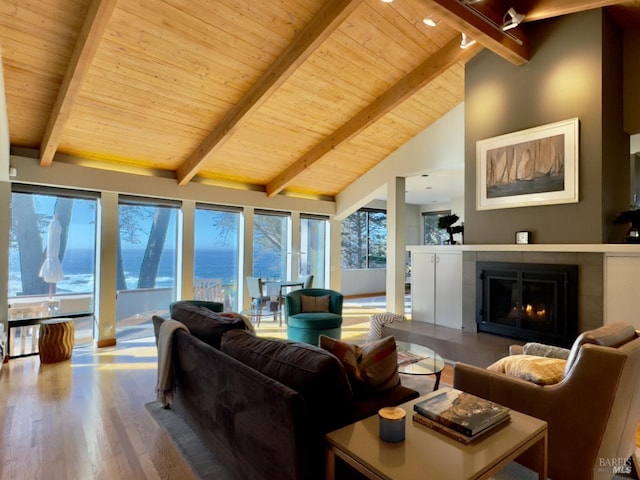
[314,304]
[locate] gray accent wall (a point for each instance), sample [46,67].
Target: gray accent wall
[575,71]
[632,81]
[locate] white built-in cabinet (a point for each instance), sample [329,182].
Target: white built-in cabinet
[622,289]
[436,286]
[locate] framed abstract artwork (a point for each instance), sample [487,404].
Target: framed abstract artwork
[537,166]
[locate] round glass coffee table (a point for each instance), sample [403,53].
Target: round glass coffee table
[416,359]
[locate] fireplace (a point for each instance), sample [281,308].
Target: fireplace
[528,301]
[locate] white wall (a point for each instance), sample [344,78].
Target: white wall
[438,147]
[362,282]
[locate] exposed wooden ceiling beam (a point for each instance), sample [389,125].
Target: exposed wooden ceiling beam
[464,19]
[98,17]
[431,68]
[329,18]
[541,9]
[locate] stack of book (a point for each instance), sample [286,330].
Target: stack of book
[460,415]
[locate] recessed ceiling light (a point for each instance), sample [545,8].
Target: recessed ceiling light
[387,1]
[429,21]
[466,41]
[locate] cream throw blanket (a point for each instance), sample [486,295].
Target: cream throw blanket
[165,368]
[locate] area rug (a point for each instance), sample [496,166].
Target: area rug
[206,466]
[202,461]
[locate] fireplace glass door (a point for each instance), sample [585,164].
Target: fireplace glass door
[535,302]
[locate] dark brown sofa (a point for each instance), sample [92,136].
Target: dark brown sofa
[262,405]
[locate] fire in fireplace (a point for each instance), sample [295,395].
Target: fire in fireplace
[528,301]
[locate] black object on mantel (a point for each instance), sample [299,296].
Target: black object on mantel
[632,217]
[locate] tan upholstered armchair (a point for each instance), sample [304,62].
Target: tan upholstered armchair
[592,413]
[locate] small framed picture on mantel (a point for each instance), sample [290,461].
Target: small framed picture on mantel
[523,237]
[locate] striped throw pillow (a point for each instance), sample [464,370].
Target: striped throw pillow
[372,367]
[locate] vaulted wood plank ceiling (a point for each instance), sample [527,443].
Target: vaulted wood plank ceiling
[301,96]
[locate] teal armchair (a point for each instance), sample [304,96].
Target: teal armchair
[306,323]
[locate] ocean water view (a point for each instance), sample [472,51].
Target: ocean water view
[78,266]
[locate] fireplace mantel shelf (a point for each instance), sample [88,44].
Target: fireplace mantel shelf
[610,288]
[607,248]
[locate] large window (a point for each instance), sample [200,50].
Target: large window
[72,222]
[364,239]
[147,263]
[217,255]
[52,261]
[432,234]
[313,241]
[270,244]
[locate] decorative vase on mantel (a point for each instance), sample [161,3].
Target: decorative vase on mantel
[631,217]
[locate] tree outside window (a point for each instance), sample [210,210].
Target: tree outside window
[270,238]
[433,235]
[31,214]
[364,240]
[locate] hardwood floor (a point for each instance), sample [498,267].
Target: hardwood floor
[85,418]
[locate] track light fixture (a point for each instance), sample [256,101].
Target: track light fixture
[511,19]
[466,41]
[515,19]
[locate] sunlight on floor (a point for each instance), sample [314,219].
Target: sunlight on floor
[355,328]
[141,353]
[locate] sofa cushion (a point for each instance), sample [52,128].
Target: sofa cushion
[309,370]
[372,367]
[314,304]
[206,325]
[540,370]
